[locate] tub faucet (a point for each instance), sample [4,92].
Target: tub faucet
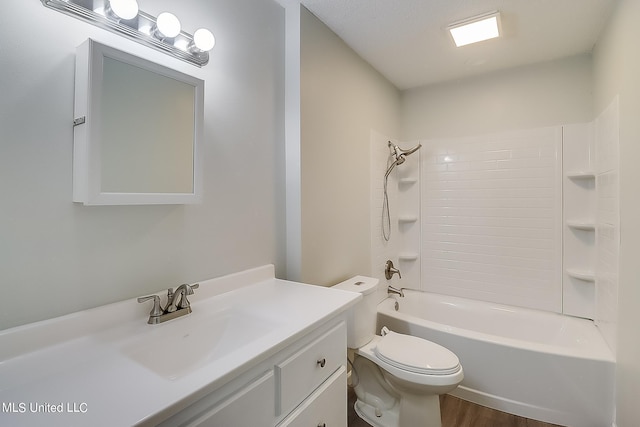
[390,270]
[173,308]
[392,290]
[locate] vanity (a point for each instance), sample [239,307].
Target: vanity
[255,351]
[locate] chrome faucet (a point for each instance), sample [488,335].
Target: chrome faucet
[173,309]
[181,292]
[390,270]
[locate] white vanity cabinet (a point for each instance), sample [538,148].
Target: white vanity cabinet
[326,407]
[303,385]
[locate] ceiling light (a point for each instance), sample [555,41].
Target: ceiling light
[476,29]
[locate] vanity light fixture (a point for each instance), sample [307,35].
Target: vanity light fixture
[476,29]
[123,17]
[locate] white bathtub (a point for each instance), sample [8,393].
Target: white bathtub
[539,365]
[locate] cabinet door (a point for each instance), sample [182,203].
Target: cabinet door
[254,405]
[326,407]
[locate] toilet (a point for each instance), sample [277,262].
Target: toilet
[397,378]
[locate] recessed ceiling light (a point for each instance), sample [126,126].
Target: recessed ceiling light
[476,29]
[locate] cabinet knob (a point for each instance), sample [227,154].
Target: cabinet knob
[322,424]
[322,362]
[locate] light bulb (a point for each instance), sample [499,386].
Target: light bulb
[168,25]
[124,9]
[204,40]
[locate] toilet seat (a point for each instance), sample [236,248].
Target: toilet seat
[369,351]
[416,355]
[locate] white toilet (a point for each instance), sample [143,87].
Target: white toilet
[397,378]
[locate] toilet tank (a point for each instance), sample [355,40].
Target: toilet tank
[361,321]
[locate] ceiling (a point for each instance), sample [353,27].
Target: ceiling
[407,40]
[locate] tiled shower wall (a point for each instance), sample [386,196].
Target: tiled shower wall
[491,218]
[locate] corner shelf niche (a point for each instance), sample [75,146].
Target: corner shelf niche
[408,180]
[407,219]
[408,256]
[584,225]
[584,275]
[579,202]
[581,174]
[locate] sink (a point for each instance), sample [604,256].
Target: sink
[175,348]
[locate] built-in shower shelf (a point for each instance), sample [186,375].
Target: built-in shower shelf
[585,225]
[406,219]
[408,256]
[581,174]
[585,275]
[408,180]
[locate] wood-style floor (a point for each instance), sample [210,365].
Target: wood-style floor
[460,413]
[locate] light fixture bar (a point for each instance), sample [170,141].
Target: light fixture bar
[476,29]
[138,29]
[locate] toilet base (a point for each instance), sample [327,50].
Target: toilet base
[420,411]
[417,411]
[389,417]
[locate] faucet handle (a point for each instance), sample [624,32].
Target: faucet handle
[190,288]
[390,270]
[156,310]
[184,302]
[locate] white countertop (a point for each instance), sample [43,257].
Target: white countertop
[98,367]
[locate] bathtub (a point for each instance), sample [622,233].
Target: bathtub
[535,364]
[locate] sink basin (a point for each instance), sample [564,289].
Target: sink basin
[175,348]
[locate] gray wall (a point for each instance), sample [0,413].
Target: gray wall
[616,71]
[342,99]
[57,257]
[539,95]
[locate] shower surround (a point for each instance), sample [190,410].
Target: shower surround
[492,218]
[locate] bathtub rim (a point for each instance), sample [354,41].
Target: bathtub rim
[599,351]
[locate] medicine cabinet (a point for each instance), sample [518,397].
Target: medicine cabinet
[137,130]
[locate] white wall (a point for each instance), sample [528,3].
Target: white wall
[342,99]
[540,95]
[616,71]
[57,257]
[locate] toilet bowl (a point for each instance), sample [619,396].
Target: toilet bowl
[397,378]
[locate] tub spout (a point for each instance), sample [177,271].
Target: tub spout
[392,290]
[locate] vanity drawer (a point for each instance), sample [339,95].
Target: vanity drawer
[305,370]
[252,405]
[326,407]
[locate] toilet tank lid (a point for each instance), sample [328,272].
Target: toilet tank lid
[361,284]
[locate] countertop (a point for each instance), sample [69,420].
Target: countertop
[98,368]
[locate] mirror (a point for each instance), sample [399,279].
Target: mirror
[137,130]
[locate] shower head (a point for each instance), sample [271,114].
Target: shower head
[400,154]
[409,151]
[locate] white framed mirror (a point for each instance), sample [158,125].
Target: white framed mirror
[137,130]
